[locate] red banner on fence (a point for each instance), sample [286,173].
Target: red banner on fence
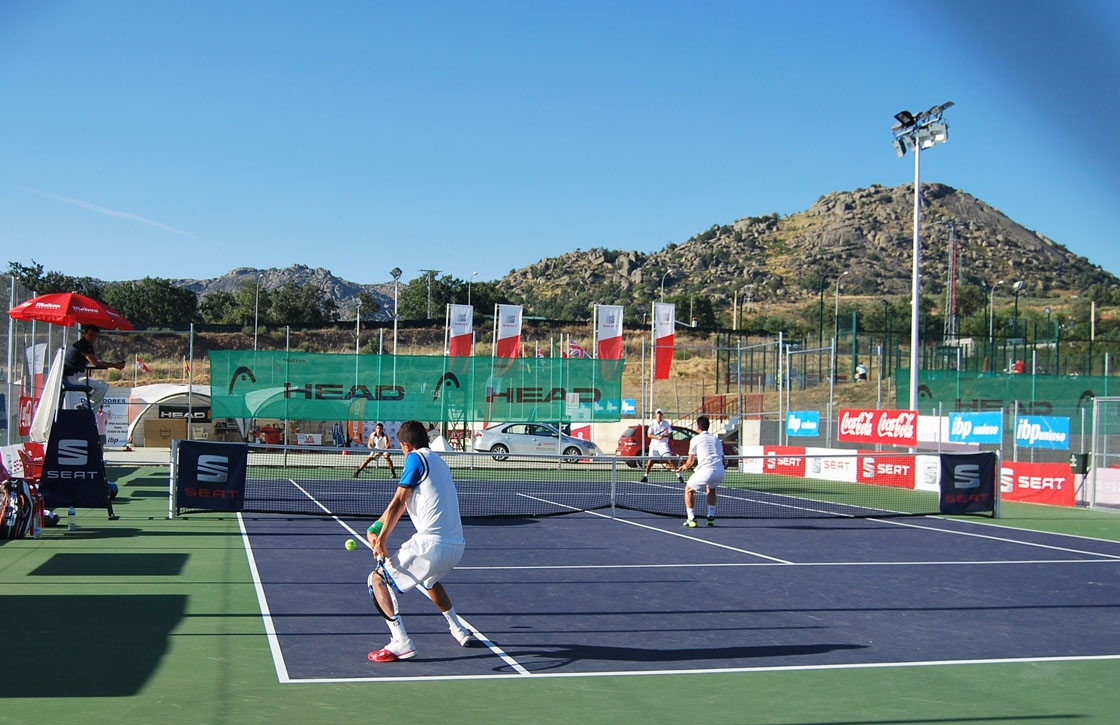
[784,460]
[1051,483]
[884,469]
[890,427]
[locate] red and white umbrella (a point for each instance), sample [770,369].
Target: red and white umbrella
[69,309]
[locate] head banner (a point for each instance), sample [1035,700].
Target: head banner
[330,386]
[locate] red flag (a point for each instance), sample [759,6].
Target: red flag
[664,327]
[142,365]
[507,328]
[608,332]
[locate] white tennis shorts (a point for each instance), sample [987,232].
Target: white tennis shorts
[659,448]
[705,478]
[422,561]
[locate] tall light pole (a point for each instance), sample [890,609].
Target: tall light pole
[430,273]
[836,314]
[667,273]
[358,328]
[1017,286]
[473,275]
[256,310]
[396,272]
[916,133]
[992,312]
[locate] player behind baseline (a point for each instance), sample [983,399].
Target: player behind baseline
[659,432]
[427,492]
[378,448]
[705,451]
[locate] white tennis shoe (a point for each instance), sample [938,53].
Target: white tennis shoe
[394,651]
[464,637]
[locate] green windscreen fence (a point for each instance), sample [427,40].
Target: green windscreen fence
[326,386]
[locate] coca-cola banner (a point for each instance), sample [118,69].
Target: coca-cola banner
[890,427]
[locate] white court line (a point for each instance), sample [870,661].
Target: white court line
[262,602]
[896,522]
[662,531]
[273,640]
[733,565]
[1002,539]
[728,670]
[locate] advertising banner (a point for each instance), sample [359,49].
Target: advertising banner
[803,423]
[1050,483]
[784,460]
[608,332]
[968,483]
[116,428]
[73,469]
[460,330]
[338,386]
[507,323]
[976,427]
[664,332]
[889,427]
[1042,431]
[211,476]
[885,469]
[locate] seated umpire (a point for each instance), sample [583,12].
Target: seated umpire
[82,355]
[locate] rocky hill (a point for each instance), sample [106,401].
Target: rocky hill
[344,293]
[783,260]
[773,260]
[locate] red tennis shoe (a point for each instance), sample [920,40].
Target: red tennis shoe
[394,651]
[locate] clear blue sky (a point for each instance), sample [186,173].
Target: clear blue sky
[183,139]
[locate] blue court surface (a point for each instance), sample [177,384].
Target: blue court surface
[586,594]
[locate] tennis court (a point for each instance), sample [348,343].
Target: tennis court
[869,622]
[629,592]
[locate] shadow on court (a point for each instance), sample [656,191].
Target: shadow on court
[551,656]
[85,632]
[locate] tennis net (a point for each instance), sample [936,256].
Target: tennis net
[314,481]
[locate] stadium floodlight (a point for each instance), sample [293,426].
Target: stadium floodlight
[917,133]
[667,273]
[396,274]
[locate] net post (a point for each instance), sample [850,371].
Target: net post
[997,496]
[172,478]
[614,484]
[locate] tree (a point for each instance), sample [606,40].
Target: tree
[216,308]
[413,299]
[32,278]
[153,301]
[369,305]
[295,304]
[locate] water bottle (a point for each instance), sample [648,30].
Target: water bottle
[37,523]
[71,519]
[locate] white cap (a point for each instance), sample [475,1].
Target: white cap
[659,410]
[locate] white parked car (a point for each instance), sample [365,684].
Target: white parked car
[504,439]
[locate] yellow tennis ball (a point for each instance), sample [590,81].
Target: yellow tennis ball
[351,544]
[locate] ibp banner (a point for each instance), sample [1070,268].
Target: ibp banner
[968,483]
[1050,483]
[116,427]
[976,427]
[803,423]
[1042,431]
[890,427]
[211,476]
